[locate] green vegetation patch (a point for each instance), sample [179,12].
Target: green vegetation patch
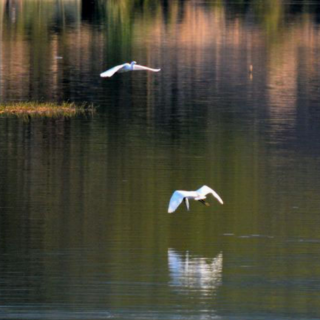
[43,109]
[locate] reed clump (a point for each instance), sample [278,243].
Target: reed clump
[43,109]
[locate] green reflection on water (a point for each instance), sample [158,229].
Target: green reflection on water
[84,201]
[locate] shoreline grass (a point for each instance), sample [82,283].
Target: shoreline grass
[43,109]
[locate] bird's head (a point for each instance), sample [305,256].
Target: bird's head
[133,63]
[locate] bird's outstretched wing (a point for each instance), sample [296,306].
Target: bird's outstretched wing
[175,200]
[138,67]
[109,73]
[205,190]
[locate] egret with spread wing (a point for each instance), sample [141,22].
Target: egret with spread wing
[133,66]
[199,195]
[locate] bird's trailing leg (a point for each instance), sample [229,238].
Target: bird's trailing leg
[186,201]
[207,204]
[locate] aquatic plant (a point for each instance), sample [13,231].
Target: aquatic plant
[43,109]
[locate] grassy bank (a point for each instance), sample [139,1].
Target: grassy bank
[42,109]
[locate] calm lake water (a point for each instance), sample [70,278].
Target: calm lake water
[84,228]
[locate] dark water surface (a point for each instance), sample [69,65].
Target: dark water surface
[84,228]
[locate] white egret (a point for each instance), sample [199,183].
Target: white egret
[199,195]
[133,66]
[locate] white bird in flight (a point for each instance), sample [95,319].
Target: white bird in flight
[133,66]
[199,195]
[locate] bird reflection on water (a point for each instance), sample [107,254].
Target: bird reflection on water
[194,272]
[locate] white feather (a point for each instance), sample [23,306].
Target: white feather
[206,190]
[200,194]
[138,67]
[175,200]
[109,73]
[133,66]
